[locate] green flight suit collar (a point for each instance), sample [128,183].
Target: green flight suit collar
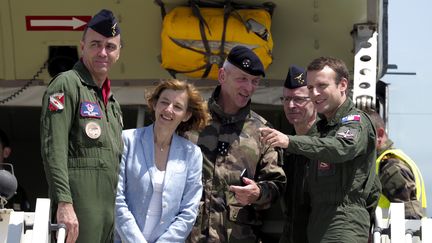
[340,113]
[86,77]
[84,73]
[217,110]
[386,146]
[313,130]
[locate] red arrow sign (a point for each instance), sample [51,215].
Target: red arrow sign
[47,23]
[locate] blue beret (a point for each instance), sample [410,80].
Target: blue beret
[246,60]
[104,23]
[296,78]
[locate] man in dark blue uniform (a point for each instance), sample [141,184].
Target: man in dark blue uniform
[301,114]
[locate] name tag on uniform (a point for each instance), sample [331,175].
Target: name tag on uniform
[326,169]
[90,109]
[324,166]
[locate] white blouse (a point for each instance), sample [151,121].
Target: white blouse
[155,207]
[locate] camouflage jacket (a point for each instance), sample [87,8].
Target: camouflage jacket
[230,144]
[398,182]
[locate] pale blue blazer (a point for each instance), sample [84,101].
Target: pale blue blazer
[181,193]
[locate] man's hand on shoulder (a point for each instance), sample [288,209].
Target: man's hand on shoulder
[274,138]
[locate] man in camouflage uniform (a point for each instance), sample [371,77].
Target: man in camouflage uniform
[231,144]
[341,174]
[400,178]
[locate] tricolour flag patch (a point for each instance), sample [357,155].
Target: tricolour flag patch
[350,118]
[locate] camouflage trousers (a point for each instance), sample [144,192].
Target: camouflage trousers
[226,226]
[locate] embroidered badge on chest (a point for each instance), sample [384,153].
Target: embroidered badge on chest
[347,133]
[326,169]
[324,166]
[93,130]
[90,109]
[56,102]
[222,148]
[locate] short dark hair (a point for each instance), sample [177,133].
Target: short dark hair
[200,116]
[336,64]
[376,119]
[4,140]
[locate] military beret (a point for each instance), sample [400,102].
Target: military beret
[296,78]
[104,23]
[246,60]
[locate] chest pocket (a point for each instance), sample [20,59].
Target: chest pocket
[91,126]
[326,184]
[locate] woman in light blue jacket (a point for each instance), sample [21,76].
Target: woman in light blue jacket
[160,172]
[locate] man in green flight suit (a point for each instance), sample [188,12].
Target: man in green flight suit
[81,144]
[341,174]
[400,177]
[231,144]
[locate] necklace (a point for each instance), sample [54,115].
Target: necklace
[162,144]
[161,148]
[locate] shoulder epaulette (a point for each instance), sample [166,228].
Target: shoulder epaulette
[259,118]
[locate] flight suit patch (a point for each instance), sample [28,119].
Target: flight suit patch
[90,109]
[326,169]
[56,102]
[93,130]
[347,133]
[350,118]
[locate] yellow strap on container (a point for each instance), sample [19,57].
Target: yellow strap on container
[181,28]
